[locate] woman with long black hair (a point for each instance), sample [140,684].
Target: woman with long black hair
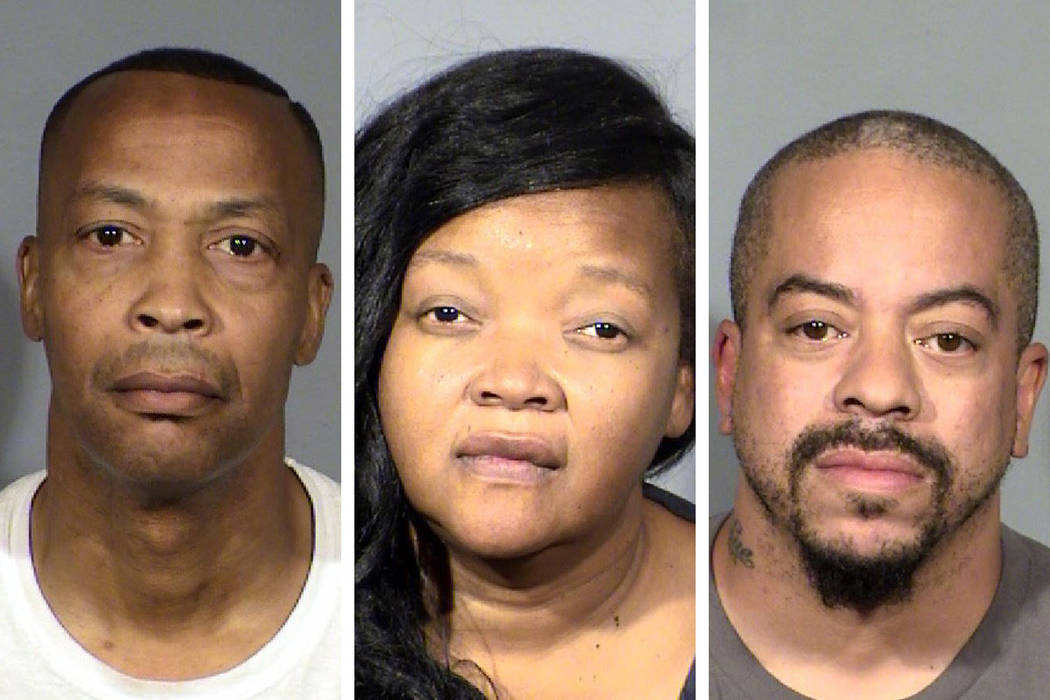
[524,356]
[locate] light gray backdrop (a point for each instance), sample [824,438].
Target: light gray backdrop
[48,45]
[780,69]
[398,43]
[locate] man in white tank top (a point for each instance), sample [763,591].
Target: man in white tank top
[170,549]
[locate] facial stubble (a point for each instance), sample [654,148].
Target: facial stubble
[841,576]
[172,469]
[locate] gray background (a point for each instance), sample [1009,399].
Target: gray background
[48,45]
[400,43]
[780,69]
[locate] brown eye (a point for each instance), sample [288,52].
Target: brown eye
[242,245]
[446,314]
[603,330]
[815,330]
[238,246]
[109,236]
[949,342]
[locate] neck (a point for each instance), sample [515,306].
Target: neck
[530,604]
[781,618]
[119,560]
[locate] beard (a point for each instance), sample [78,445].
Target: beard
[840,575]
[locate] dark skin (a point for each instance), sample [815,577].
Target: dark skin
[537,318]
[174,286]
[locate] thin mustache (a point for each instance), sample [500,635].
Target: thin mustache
[168,358]
[816,439]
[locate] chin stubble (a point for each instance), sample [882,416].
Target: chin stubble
[840,576]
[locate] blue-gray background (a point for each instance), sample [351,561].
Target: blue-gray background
[780,69]
[48,45]
[398,43]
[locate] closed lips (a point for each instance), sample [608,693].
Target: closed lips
[527,448]
[180,383]
[870,461]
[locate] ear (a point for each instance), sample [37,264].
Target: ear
[725,353]
[1031,373]
[683,402]
[319,295]
[29,288]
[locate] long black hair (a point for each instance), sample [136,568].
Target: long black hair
[497,126]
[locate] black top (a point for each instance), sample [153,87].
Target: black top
[687,511]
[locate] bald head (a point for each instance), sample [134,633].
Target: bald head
[927,141]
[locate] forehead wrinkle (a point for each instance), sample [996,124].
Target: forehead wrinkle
[222,208]
[241,207]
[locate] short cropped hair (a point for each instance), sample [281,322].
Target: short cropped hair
[928,141]
[199,64]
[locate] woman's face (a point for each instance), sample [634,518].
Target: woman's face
[533,367]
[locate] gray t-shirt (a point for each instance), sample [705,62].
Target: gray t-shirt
[1007,658]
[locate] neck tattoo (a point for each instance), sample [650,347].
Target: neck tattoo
[737,551]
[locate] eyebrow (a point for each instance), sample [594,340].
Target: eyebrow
[111,193]
[241,206]
[439,255]
[602,273]
[611,274]
[965,294]
[799,282]
[126,196]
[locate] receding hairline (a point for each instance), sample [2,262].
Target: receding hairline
[64,111]
[919,138]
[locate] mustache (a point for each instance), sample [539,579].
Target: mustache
[168,357]
[815,440]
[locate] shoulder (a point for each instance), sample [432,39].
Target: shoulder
[16,497]
[322,489]
[1026,574]
[671,522]
[326,501]
[670,501]
[22,488]
[1008,649]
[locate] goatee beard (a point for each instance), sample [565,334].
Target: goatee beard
[847,580]
[841,577]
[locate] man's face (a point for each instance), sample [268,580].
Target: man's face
[172,280]
[877,393]
[533,367]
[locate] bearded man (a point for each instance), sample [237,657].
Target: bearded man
[877,378]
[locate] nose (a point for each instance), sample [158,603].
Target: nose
[880,379]
[171,300]
[513,379]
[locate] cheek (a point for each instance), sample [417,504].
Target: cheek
[620,411]
[778,400]
[978,417]
[416,398]
[78,325]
